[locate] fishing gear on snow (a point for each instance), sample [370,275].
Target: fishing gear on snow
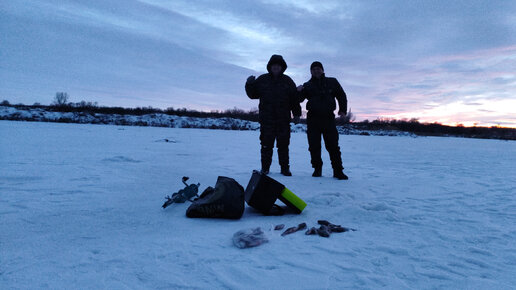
[187,193]
[262,192]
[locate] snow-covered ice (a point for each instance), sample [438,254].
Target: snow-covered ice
[80,207]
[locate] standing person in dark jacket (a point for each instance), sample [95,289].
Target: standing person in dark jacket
[321,92]
[278,97]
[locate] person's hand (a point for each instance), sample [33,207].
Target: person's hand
[251,79]
[300,88]
[295,119]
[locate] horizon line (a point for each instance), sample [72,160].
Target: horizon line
[466,124]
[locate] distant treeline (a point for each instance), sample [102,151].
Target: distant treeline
[404,125]
[436,129]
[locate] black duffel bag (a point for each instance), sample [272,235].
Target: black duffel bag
[226,200]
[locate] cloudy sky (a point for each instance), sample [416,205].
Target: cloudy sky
[446,61]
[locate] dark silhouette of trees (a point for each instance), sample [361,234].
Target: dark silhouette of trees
[437,129]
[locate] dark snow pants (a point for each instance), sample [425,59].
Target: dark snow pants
[317,126]
[270,132]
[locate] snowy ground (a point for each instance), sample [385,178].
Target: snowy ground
[80,207]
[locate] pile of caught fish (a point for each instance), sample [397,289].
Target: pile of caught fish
[324,230]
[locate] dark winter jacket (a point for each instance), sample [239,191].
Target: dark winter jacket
[321,94]
[278,95]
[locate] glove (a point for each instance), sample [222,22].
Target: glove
[295,119]
[251,79]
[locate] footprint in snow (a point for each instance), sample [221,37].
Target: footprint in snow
[331,199]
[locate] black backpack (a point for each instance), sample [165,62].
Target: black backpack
[226,200]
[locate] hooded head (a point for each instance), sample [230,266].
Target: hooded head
[277,59]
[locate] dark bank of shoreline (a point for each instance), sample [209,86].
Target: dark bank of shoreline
[233,119]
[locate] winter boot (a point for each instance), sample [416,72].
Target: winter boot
[317,172]
[337,173]
[285,170]
[265,170]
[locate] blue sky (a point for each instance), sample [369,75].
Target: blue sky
[447,61]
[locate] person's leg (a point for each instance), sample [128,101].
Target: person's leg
[282,142]
[331,142]
[267,143]
[313,133]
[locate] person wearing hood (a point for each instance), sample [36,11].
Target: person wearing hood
[278,98]
[321,92]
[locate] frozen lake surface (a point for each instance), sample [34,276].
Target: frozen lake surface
[80,207]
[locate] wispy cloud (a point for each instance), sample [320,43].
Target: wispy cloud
[328,8]
[240,38]
[393,58]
